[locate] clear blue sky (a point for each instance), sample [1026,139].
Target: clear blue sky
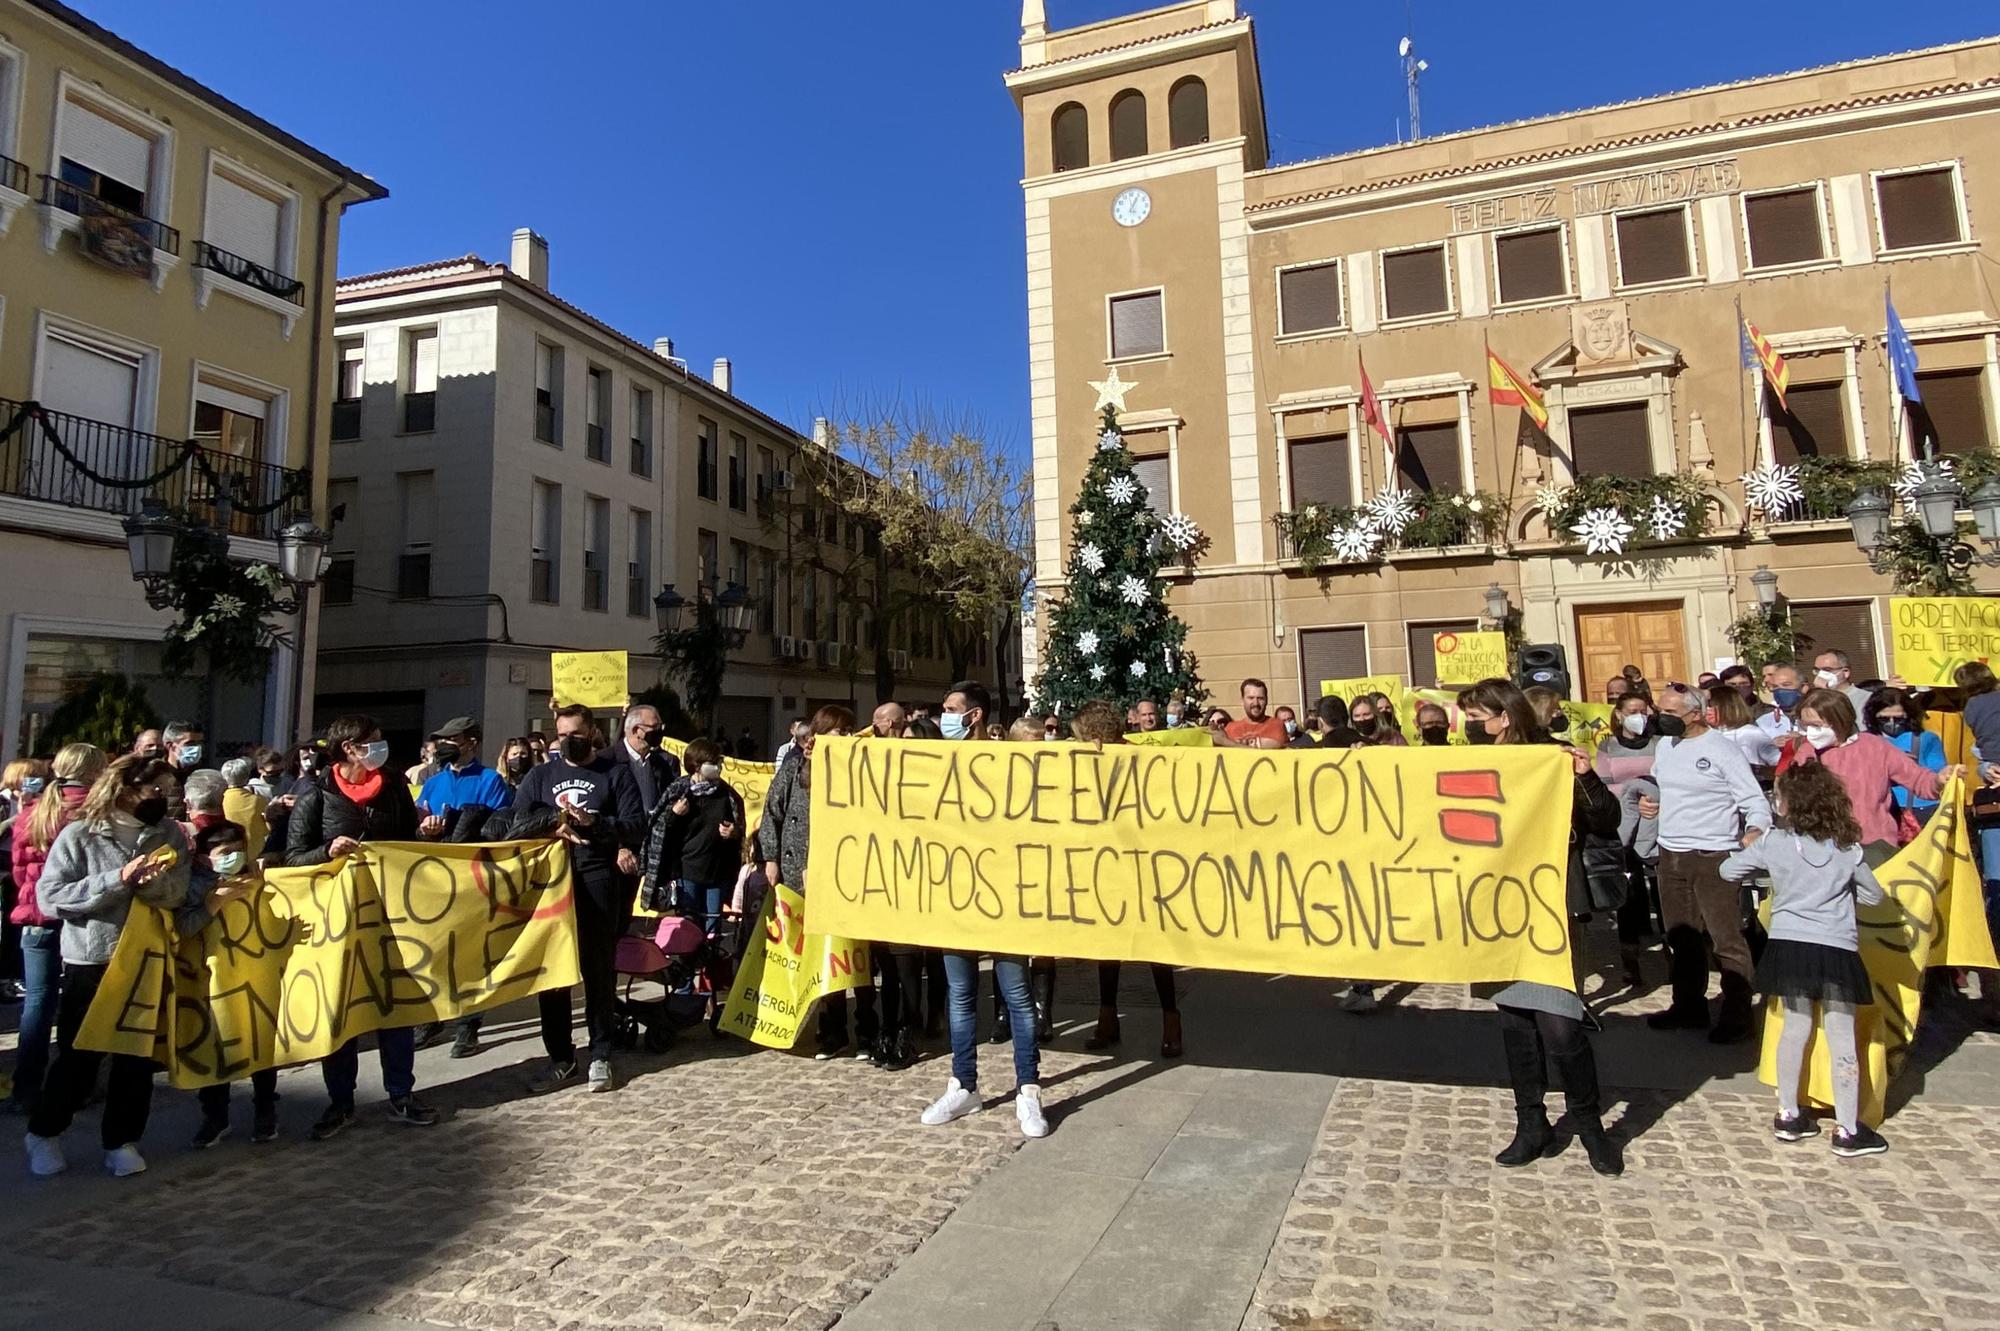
[828,192]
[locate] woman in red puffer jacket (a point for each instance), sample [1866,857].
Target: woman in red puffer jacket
[76,768]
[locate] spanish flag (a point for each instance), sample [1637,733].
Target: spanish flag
[1511,390]
[1757,349]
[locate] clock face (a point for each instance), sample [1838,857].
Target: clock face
[1132,207]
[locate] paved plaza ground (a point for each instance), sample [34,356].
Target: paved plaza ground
[1300,1170]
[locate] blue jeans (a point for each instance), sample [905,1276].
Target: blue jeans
[397,1050]
[702,902]
[961,973]
[41,972]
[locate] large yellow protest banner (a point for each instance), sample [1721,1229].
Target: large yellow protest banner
[1933,915]
[752,782]
[785,970]
[1934,635]
[393,935]
[594,679]
[1382,864]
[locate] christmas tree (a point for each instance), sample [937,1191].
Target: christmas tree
[1111,635]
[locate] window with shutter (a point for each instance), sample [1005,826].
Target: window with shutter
[230,422]
[1128,125]
[1952,412]
[1156,474]
[337,583]
[420,399]
[110,149]
[1843,626]
[1611,441]
[1784,227]
[1919,208]
[1414,283]
[1423,650]
[417,500]
[596,413]
[545,550]
[1309,298]
[1336,653]
[243,221]
[1653,247]
[638,562]
[1812,425]
[1187,113]
[1530,265]
[1321,472]
[1069,132]
[596,553]
[1138,325]
[1427,457]
[548,394]
[97,383]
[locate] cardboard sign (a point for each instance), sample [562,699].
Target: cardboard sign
[1934,635]
[1467,658]
[594,679]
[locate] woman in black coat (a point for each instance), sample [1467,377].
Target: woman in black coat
[1540,1023]
[696,838]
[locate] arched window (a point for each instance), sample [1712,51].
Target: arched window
[1128,125]
[1070,133]
[1187,113]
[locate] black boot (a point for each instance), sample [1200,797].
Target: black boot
[1578,1066]
[1533,1137]
[1606,1157]
[1045,1005]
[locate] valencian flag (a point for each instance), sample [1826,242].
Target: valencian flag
[1757,350]
[1511,390]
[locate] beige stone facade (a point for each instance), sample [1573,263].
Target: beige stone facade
[166,269]
[1602,253]
[518,478]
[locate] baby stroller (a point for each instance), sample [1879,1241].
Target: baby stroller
[682,959]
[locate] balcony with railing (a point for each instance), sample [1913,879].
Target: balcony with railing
[13,175]
[112,236]
[72,463]
[246,280]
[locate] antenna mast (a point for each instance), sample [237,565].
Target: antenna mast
[1413,69]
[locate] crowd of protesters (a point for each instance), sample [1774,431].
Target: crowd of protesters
[1696,789]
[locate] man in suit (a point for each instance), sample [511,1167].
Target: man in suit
[653,769]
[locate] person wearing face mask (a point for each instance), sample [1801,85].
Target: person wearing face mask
[1869,765]
[1897,716]
[351,800]
[224,870]
[1709,800]
[1833,670]
[1737,719]
[516,759]
[1289,719]
[1626,754]
[695,840]
[185,748]
[1777,720]
[1624,762]
[1433,725]
[242,804]
[1176,714]
[1540,1023]
[267,772]
[463,787]
[653,768]
[588,800]
[71,775]
[147,744]
[1739,679]
[122,846]
[1374,722]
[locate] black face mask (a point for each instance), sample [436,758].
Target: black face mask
[1893,726]
[651,737]
[1673,727]
[1477,733]
[447,755]
[578,749]
[151,809]
[519,764]
[1435,734]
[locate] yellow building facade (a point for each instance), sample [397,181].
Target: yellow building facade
[167,261]
[1603,254]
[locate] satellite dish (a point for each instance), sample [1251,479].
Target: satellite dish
[1403,47]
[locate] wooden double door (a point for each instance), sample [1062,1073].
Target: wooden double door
[1652,636]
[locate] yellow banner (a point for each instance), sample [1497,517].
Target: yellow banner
[1380,864]
[1180,737]
[1934,635]
[752,782]
[396,934]
[1934,916]
[785,971]
[1467,658]
[1347,690]
[594,679]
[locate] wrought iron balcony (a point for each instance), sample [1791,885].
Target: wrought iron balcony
[250,274]
[65,197]
[13,175]
[101,467]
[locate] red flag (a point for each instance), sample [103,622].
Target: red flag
[1371,409]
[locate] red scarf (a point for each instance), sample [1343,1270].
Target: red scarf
[362,791]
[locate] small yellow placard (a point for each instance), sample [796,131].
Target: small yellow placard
[1467,658]
[1934,635]
[593,679]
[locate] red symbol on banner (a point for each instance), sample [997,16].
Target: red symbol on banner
[1470,827]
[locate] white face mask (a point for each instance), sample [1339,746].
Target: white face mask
[374,755]
[1828,679]
[229,863]
[710,771]
[1634,723]
[1820,737]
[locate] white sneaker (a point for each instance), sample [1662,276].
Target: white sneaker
[1359,1000]
[600,1074]
[1028,1108]
[124,1161]
[45,1156]
[956,1102]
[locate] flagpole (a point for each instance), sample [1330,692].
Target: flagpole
[1492,423]
[1899,448]
[1750,463]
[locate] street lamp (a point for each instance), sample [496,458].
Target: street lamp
[668,608]
[150,535]
[733,607]
[731,611]
[302,553]
[1936,498]
[1985,505]
[1868,514]
[1765,584]
[1496,603]
[153,535]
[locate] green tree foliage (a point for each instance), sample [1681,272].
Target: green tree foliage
[108,711]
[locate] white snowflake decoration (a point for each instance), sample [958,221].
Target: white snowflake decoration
[1180,531]
[1090,557]
[1133,589]
[1772,489]
[1354,543]
[1110,440]
[1604,531]
[1086,642]
[1138,669]
[1665,520]
[227,607]
[1122,489]
[1097,671]
[1392,510]
[1915,475]
[1550,498]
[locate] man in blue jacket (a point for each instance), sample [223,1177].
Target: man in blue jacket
[456,805]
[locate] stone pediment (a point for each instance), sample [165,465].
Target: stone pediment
[1603,343]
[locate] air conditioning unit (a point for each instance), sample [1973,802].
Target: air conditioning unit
[781,481]
[781,647]
[829,653]
[802,648]
[899,660]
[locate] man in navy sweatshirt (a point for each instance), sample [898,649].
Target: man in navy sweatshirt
[588,799]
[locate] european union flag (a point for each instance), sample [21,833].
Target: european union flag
[1749,355]
[1902,356]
